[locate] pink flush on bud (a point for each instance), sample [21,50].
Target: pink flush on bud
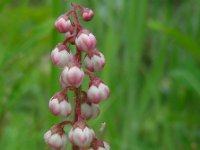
[85,40]
[95,63]
[55,140]
[72,76]
[89,111]
[59,106]
[61,56]
[81,136]
[63,24]
[87,14]
[97,93]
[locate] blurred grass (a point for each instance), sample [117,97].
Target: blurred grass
[152,50]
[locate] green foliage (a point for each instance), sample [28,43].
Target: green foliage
[152,50]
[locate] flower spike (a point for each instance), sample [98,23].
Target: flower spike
[86,103]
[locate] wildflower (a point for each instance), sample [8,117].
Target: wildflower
[81,135]
[59,105]
[61,55]
[94,62]
[85,40]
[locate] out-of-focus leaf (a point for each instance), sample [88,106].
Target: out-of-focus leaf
[187,77]
[186,41]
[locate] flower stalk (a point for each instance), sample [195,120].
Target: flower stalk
[86,102]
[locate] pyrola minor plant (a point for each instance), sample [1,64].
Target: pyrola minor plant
[86,103]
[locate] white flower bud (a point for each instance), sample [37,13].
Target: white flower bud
[89,111]
[87,14]
[59,106]
[97,93]
[85,40]
[81,136]
[95,63]
[63,24]
[55,140]
[61,56]
[72,76]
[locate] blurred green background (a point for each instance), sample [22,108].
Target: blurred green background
[153,70]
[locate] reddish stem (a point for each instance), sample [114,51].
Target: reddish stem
[78,59]
[76,20]
[62,124]
[75,147]
[71,88]
[90,75]
[68,38]
[77,111]
[69,13]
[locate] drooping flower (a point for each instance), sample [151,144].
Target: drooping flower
[72,75]
[89,110]
[61,55]
[56,138]
[85,40]
[63,24]
[81,135]
[97,92]
[87,14]
[94,62]
[59,105]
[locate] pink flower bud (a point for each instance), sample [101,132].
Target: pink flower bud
[95,62]
[98,92]
[81,136]
[55,140]
[72,76]
[61,56]
[63,24]
[87,14]
[89,110]
[59,106]
[85,40]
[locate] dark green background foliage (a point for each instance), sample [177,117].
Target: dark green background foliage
[153,70]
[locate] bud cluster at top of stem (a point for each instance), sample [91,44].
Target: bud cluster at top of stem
[86,103]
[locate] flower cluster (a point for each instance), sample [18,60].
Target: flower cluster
[86,103]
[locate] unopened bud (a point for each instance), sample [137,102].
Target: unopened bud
[85,40]
[61,56]
[59,105]
[72,76]
[55,140]
[87,14]
[63,24]
[89,110]
[81,135]
[98,92]
[95,62]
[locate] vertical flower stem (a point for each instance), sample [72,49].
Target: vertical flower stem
[77,110]
[75,147]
